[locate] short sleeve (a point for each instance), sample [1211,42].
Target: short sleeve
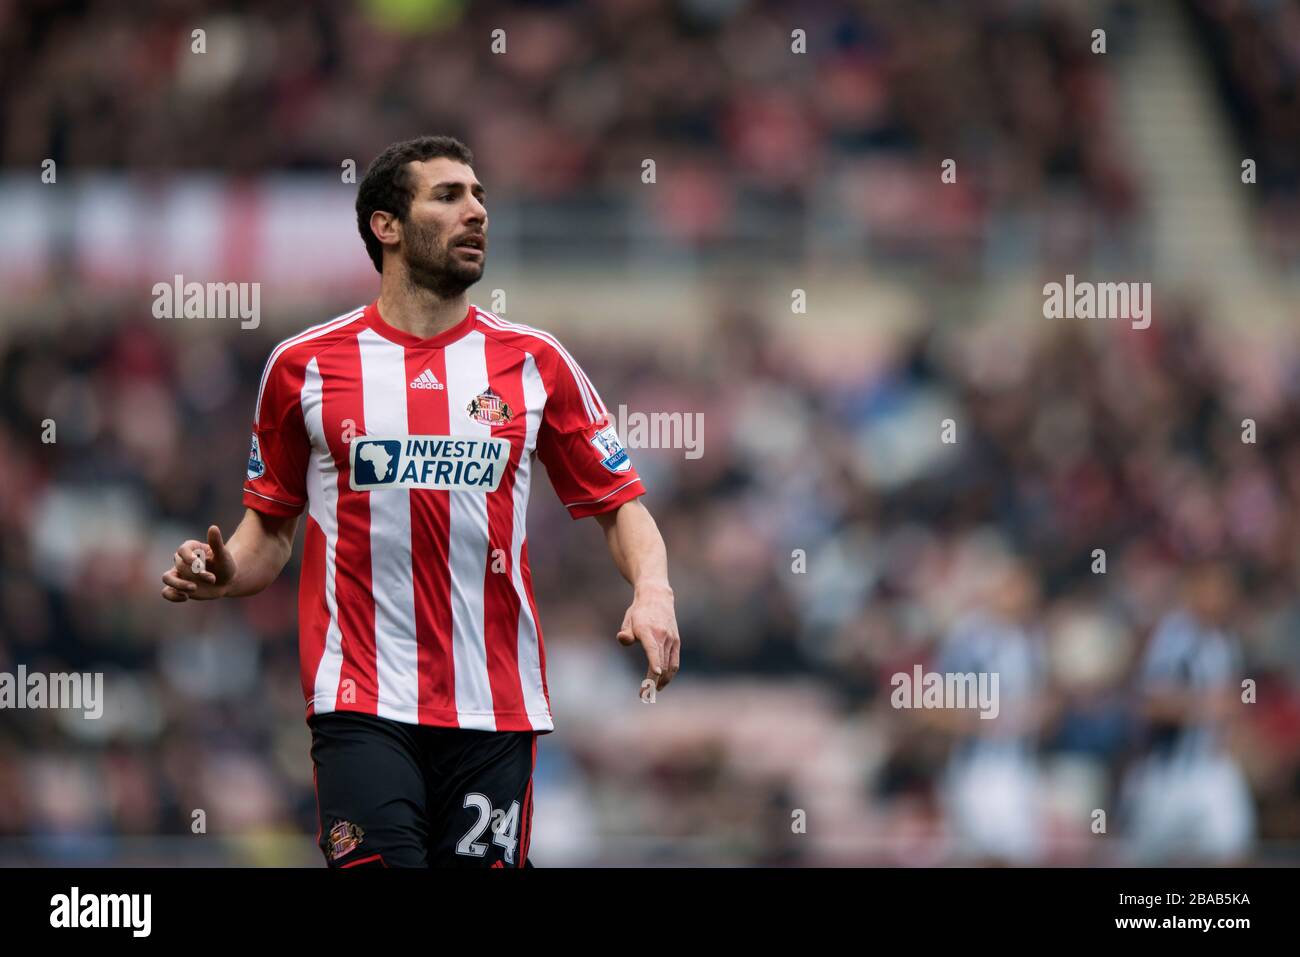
[578,443]
[276,477]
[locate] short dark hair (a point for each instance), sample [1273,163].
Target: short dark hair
[387,183]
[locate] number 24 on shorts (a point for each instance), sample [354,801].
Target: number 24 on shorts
[505,827]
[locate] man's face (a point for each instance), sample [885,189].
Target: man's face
[444,237]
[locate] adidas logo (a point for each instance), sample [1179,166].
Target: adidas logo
[426,380]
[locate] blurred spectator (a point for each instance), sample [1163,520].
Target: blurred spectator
[1189,800]
[991,786]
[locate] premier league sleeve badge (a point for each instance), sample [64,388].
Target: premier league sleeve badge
[612,454]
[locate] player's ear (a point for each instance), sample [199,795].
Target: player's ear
[386,227]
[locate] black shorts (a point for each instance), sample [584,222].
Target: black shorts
[390,794]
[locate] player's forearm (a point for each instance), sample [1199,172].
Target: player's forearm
[637,548]
[261,547]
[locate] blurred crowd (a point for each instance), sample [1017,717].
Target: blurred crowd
[1254,47]
[827,540]
[747,122]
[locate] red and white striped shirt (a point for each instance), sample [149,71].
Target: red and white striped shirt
[413,458]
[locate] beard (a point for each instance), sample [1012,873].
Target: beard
[432,264]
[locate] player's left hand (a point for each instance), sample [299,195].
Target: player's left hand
[652,620]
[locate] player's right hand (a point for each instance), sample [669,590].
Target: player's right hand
[182,582]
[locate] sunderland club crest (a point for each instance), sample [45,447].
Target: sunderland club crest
[344,838]
[489,408]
